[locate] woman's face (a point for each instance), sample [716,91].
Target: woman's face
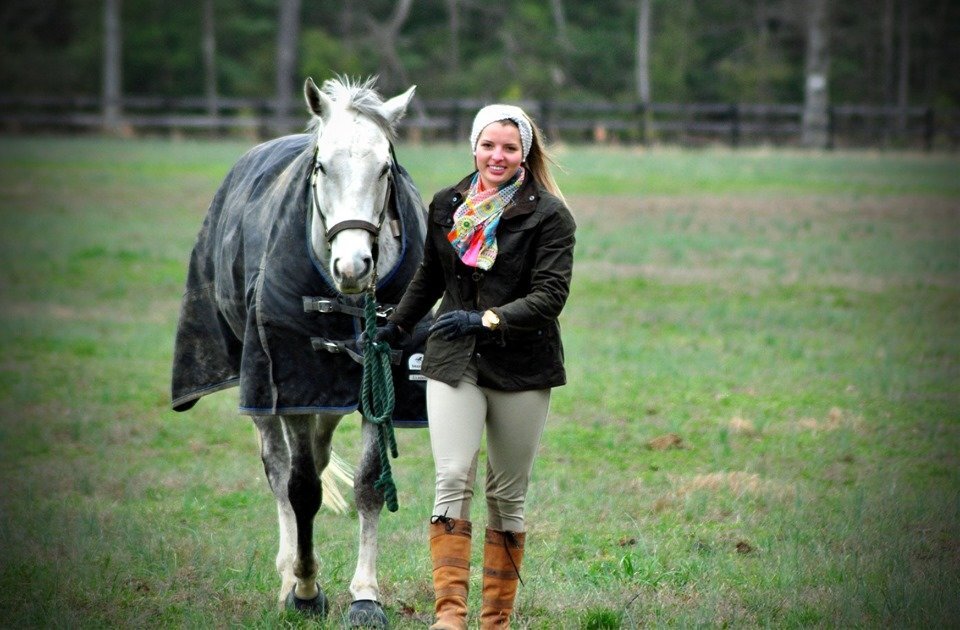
[499,153]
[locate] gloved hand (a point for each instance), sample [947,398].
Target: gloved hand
[390,333]
[458,324]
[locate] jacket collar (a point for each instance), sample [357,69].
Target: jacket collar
[524,202]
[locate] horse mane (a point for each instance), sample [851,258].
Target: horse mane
[361,97]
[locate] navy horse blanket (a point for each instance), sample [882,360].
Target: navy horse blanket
[243,319]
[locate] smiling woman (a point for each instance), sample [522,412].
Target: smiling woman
[499,252]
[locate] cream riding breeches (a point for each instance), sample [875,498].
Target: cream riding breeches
[514,423]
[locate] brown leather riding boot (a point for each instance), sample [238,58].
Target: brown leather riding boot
[502,556]
[450,551]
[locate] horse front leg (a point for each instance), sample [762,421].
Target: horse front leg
[308,440]
[275,456]
[366,609]
[287,450]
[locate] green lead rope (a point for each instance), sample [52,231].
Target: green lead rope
[377,400]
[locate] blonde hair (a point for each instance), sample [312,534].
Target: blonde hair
[539,161]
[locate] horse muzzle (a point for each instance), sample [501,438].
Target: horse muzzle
[352,274]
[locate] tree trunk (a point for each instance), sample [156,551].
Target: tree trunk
[816,132]
[453,22]
[886,30]
[643,51]
[393,75]
[288,41]
[112,66]
[346,24]
[903,83]
[564,46]
[762,93]
[210,60]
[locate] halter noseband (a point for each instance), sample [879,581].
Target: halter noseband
[351,224]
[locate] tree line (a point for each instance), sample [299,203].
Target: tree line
[882,52]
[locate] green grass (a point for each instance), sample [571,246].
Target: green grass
[792,318]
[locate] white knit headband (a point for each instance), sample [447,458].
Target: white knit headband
[495,113]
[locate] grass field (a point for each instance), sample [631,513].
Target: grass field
[792,319]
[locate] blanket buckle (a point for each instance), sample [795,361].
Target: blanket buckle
[319,305]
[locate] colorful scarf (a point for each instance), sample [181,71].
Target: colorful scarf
[474,233]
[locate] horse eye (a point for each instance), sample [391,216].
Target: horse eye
[386,169]
[320,167]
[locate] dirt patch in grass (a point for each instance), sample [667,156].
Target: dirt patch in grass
[666,442]
[835,419]
[741,426]
[736,483]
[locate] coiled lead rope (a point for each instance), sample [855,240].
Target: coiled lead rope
[377,400]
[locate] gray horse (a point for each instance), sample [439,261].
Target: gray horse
[300,228]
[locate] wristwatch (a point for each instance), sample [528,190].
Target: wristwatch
[490,320]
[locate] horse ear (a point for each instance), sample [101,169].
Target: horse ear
[317,101]
[396,107]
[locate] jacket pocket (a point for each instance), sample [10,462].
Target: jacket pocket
[514,240]
[531,353]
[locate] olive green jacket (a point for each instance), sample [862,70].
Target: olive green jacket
[526,287]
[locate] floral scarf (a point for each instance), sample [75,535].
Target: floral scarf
[474,233]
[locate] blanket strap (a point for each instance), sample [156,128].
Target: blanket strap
[351,348]
[327,305]
[377,400]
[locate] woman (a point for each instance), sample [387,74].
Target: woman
[499,252]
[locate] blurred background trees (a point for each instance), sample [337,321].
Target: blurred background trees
[879,51]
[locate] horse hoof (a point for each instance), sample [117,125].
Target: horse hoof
[367,613]
[316,607]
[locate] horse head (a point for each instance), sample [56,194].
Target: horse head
[354,130]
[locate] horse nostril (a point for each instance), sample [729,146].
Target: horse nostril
[351,269]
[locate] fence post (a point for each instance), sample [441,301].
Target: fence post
[640,109]
[455,121]
[546,117]
[929,130]
[734,125]
[264,117]
[831,126]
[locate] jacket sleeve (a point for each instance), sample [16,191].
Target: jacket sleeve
[550,279]
[425,288]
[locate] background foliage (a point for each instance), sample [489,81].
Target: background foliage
[709,50]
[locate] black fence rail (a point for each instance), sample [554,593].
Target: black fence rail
[688,124]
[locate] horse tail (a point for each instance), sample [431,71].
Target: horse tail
[337,471]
